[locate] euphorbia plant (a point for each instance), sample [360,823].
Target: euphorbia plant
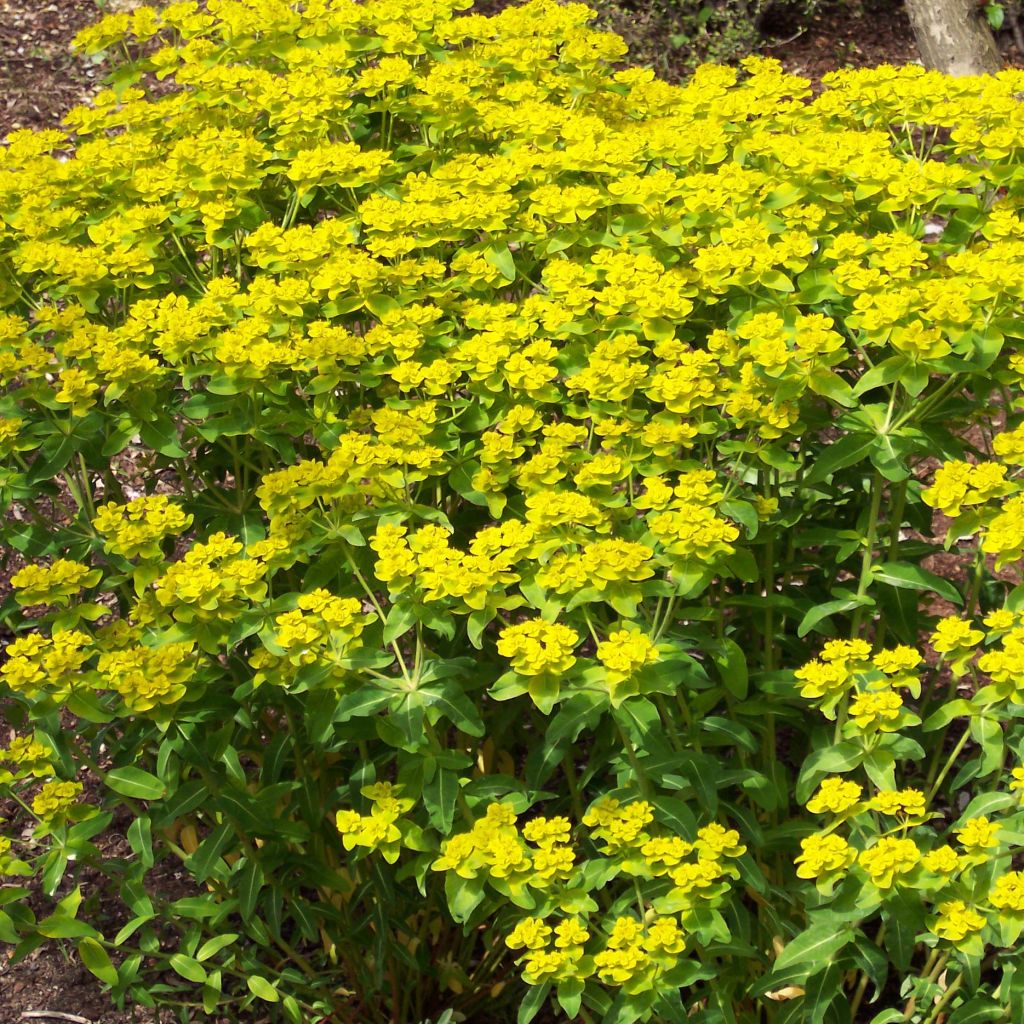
[468,505]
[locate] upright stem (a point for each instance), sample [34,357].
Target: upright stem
[643,783]
[863,583]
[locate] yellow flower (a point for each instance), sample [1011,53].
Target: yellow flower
[880,710]
[570,933]
[546,832]
[1008,892]
[54,799]
[835,796]
[956,921]
[952,634]
[888,859]
[714,841]
[1000,620]
[623,654]
[897,660]
[907,803]
[821,679]
[620,966]
[664,938]
[822,855]
[842,652]
[530,933]
[978,835]
[54,583]
[538,648]
[941,861]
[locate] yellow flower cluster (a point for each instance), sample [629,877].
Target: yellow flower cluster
[847,671]
[137,529]
[539,648]
[54,583]
[538,856]
[448,318]
[29,758]
[54,799]
[382,829]
[146,677]
[35,664]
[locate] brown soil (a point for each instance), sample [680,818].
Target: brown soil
[40,79]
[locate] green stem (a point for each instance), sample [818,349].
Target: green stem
[949,764]
[643,783]
[944,1001]
[572,781]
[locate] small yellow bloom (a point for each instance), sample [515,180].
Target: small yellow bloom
[978,835]
[1008,892]
[907,803]
[953,634]
[956,921]
[824,855]
[835,796]
[888,859]
[942,861]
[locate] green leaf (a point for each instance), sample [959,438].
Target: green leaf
[980,1009]
[817,945]
[675,815]
[135,783]
[913,577]
[365,701]
[995,14]
[190,969]
[501,259]
[570,995]
[262,989]
[401,618]
[439,795]
[140,838]
[823,611]
[215,945]
[203,862]
[250,882]
[464,895]
[904,915]
[827,761]
[845,452]
[732,666]
[736,733]
[820,991]
[532,1002]
[95,957]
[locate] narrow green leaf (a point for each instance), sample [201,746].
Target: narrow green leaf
[135,783]
[845,452]
[95,957]
[532,1002]
[214,946]
[190,969]
[262,989]
[913,577]
[820,991]
[815,946]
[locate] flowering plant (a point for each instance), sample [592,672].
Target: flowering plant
[472,509]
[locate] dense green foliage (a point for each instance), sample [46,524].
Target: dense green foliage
[470,509]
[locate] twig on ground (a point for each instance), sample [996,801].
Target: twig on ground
[54,1015]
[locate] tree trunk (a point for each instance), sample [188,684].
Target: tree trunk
[952,36]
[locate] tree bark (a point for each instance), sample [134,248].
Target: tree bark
[953,36]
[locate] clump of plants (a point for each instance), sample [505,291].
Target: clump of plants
[473,510]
